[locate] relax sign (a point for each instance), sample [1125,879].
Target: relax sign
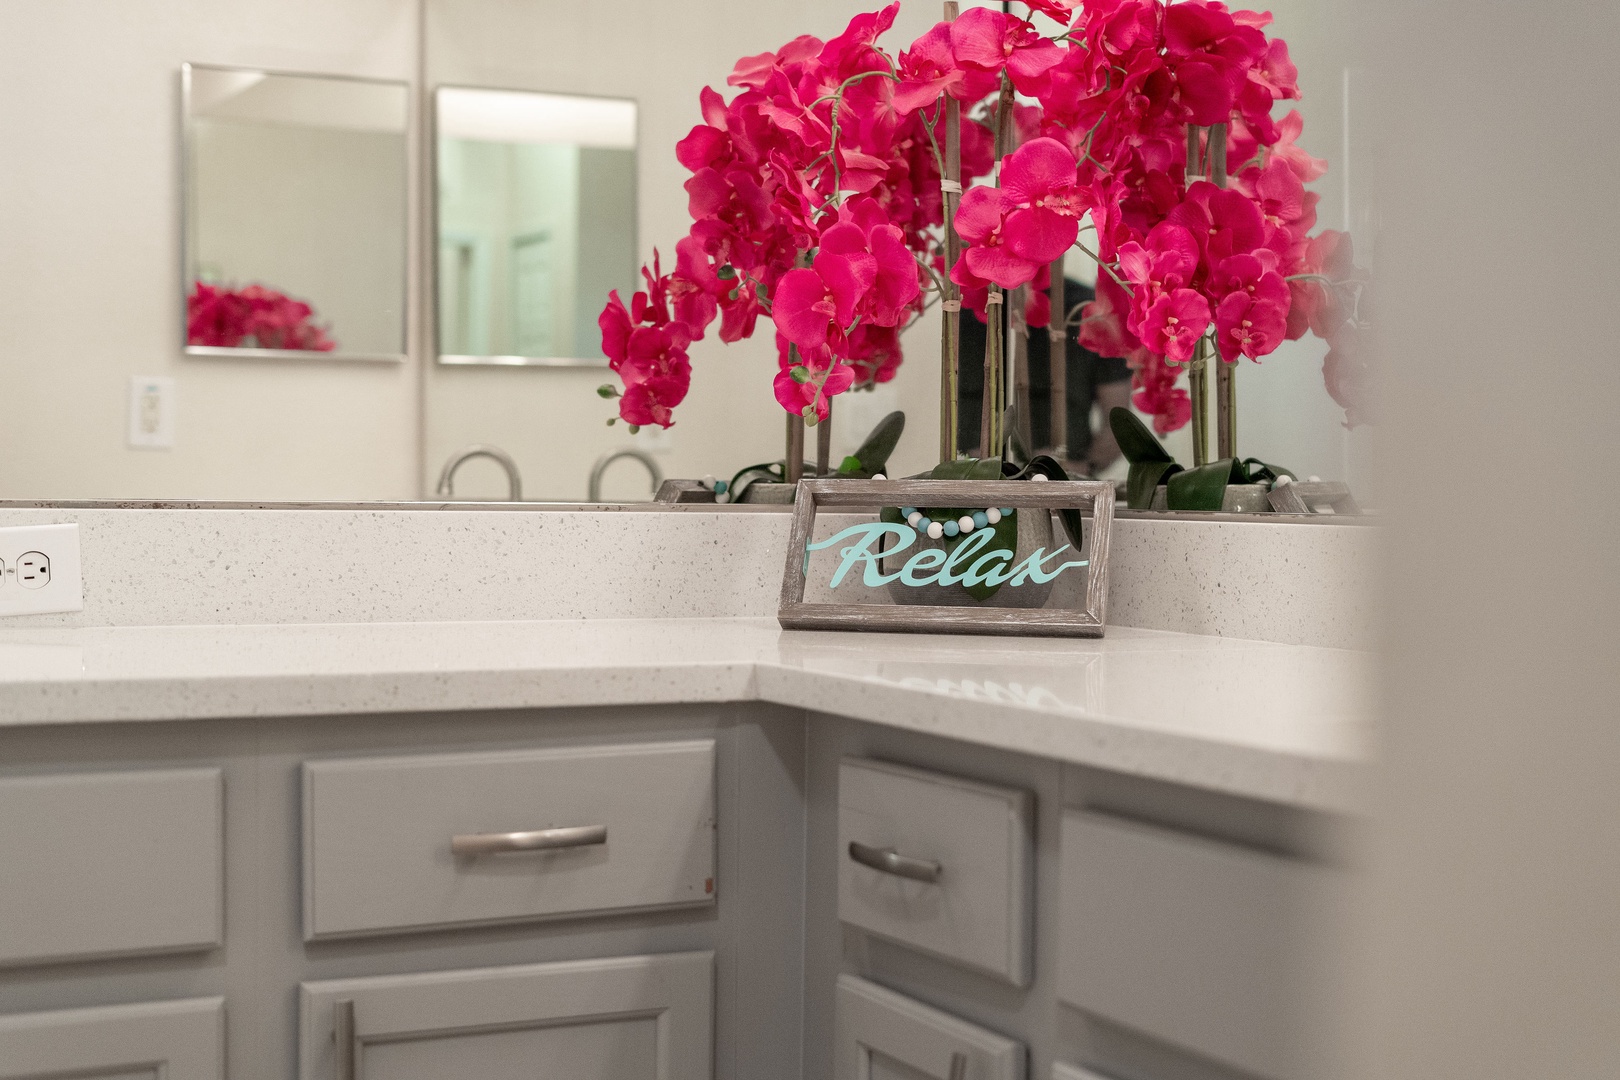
[967,563]
[955,573]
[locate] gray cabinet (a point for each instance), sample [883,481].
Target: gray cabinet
[437,840]
[938,863]
[164,1040]
[884,1035]
[621,1018]
[1193,941]
[107,864]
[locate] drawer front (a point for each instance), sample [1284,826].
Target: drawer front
[1197,942]
[636,824]
[172,1040]
[884,1035]
[109,864]
[617,1018]
[976,912]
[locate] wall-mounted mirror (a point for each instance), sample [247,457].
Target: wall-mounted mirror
[295,229]
[536,209]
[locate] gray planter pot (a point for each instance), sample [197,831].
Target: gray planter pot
[1240,499]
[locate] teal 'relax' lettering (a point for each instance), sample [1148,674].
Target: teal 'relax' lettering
[869,536]
[990,568]
[1032,570]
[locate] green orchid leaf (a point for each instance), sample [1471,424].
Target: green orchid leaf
[851,466]
[873,454]
[1144,479]
[1204,487]
[967,469]
[1049,467]
[1136,442]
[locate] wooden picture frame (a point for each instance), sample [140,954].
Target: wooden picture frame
[1097,496]
[1307,497]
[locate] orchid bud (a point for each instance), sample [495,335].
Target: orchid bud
[634,428]
[799,373]
[726,272]
[607,390]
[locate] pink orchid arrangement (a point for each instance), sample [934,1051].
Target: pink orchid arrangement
[252,317]
[816,199]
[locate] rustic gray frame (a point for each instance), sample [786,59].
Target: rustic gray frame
[1305,497]
[794,614]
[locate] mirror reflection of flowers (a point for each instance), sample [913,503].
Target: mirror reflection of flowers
[816,200]
[252,317]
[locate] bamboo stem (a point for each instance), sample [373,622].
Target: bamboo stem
[824,442]
[1057,332]
[995,390]
[793,467]
[1225,408]
[793,459]
[950,333]
[1018,332]
[1198,390]
[1225,372]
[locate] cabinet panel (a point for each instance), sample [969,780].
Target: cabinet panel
[379,834]
[882,1035]
[978,837]
[165,1040]
[620,1018]
[1190,940]
[106,864]
[1060,1071]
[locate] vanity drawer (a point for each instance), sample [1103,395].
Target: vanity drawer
[1197,942]
[110,864]
[911,823]
[445,839]
[883,1035]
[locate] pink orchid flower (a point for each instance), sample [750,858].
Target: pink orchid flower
[993,41]
[1043,199]
[929,69]
[821,377]
[815,305]
[1248,326]
[1174,323]
[863,233]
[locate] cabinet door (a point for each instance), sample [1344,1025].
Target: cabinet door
[164,1040]
[623,1018]
[110,864]
[883,1035]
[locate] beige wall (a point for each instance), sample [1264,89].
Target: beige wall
[1492,937]
[90,261]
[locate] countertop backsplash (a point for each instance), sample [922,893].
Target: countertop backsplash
[1303,583]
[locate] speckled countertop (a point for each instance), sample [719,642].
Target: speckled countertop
[1286,723]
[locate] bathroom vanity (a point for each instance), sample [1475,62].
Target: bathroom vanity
[642,846]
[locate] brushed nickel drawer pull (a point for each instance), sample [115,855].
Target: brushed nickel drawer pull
[343,1036]
[959,1064]
[493,843]
[890,861]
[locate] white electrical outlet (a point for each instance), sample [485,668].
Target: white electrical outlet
[39,570]
[151,412]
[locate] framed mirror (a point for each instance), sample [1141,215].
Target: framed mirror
[295,215]
[535,210]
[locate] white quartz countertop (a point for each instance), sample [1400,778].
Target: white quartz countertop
[1287,723]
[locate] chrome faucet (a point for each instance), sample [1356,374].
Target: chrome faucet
[595,487]
[514,482]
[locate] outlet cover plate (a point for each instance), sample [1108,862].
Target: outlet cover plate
[22,546]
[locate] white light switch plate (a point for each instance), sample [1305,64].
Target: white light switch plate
[151,412]
[39,570]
